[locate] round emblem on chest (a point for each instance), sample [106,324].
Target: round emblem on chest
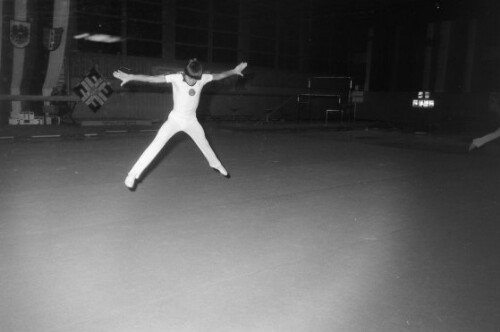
[192,92]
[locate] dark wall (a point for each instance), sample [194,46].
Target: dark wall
[339,43]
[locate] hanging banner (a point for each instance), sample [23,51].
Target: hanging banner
[1,32]
[55,42]
[93,90]
[52,38]
[20,33]
[19,36]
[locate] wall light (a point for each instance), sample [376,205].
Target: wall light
[423,100]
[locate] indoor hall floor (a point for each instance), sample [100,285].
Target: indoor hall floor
[314,231]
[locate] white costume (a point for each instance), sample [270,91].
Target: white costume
[181,118]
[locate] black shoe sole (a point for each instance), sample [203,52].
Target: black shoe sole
[228,176]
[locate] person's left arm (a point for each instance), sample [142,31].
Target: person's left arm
[235,71]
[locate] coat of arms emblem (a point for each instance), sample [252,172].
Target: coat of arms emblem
[52,38]
[20,33]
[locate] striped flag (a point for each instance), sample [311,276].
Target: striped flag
[93,90]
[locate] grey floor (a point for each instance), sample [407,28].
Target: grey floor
[315,231]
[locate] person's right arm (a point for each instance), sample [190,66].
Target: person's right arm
[124,77]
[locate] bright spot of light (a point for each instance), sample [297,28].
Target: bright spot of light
[98,37]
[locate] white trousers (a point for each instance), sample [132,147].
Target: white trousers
[172,126]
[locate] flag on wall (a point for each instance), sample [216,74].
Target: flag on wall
[93,90]
[56,44]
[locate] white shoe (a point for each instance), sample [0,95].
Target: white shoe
[130,181]
[222,171]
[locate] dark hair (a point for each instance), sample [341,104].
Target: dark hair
[194,69]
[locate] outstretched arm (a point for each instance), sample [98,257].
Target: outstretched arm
[236,71]
[124,77]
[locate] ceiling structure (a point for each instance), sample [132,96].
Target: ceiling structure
[369,8]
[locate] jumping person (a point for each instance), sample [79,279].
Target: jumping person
[480,141]
[186,89]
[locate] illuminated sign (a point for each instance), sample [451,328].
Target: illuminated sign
[423,100]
